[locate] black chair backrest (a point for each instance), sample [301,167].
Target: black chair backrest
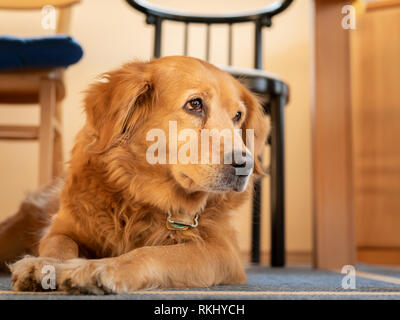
[155,15]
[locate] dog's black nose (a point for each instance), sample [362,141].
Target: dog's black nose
[242,161]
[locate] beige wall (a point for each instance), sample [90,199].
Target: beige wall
[112,33]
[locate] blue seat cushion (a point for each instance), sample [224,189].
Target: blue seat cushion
[43,52]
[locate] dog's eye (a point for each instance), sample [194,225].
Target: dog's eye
[195,106]
[237,117]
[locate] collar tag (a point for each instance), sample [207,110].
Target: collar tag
[181,225]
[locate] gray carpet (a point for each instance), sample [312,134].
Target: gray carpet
[263,283]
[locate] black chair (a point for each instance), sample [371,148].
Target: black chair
[270,87]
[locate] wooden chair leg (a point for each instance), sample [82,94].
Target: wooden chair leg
[58,164]
[277,182]
[48,103]
[256,223]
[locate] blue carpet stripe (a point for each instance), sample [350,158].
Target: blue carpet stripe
[263,283]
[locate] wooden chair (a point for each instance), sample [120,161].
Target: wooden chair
[43,86]
[270,87]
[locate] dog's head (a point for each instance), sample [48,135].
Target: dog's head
[179,118]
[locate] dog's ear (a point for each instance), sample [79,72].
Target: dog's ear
[117,104]
[255,120]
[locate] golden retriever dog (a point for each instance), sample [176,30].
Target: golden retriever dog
[117,223]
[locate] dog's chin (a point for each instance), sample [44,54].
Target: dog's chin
[238,185]
[224,184]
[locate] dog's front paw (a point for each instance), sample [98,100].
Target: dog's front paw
[81,276]
[104,276]
[34,274]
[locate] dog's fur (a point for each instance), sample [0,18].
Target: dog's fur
[103,227]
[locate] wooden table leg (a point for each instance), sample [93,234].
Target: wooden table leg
[334,244]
